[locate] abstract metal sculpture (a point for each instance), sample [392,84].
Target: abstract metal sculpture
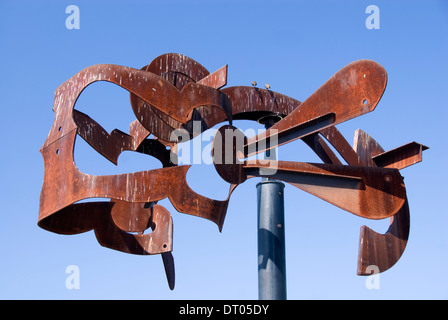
[171,94]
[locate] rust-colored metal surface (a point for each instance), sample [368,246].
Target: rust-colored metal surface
[384,250]
[353,91]
[374,193]
[174,94]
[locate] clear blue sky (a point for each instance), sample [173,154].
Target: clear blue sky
[295,46]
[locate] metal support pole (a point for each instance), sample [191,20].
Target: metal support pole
[271,237]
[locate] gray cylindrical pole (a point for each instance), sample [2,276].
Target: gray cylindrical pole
[271,234]
[271,241]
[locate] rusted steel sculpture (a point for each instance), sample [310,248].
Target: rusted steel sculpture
[173,92]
